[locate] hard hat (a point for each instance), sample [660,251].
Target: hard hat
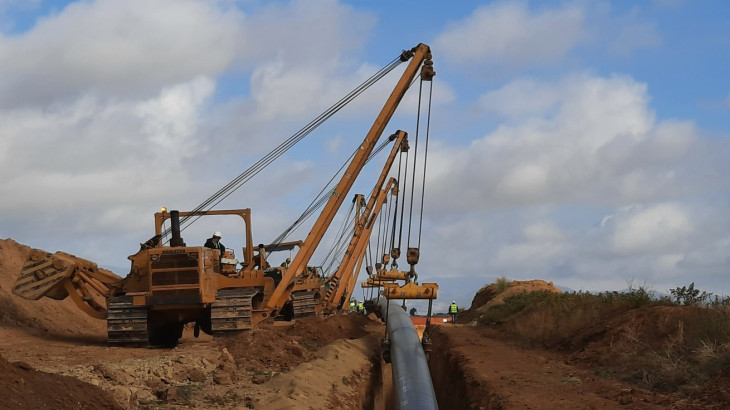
[453,301]
[288,259]
[217,234]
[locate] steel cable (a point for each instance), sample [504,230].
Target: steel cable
[262,163]
[425,159]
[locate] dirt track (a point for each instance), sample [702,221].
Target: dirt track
[270,368]
[471,369]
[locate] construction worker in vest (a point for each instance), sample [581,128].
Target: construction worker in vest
[453,311]
[286,263]
[352,306]
[360,308]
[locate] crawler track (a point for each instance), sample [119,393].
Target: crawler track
[232,310]
[125,323]
[304,303]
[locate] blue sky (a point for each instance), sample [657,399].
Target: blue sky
[579,142]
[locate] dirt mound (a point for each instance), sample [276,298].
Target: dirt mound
[279,348]
[265,370]
[333,327]
[23,387]
[20,385]
[474,367]
[45,315]
[490,295]
[673,340]
[649,328]
[681,351]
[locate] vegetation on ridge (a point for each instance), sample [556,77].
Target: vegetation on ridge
[670,344]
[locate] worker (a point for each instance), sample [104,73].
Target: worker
[286,263]
[352,305]
[215,243]
[453,311]
[257,261]
[360,308]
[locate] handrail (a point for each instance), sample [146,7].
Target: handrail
[411,377]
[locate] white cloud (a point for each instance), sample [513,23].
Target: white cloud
[521,98]
[108,110]
[282,90]
[668,262]
[108,107]
[515,35]
[543,242]
[657,228]
[97,154]
[510,34]
[580,183]
[170,120]
[128,49]
[586,139]
[524,180]
[528,258]
[303,31]
[543,231]
[660,245]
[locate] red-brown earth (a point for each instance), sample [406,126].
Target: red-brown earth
[53,356]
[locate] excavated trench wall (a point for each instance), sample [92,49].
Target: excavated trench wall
[376,383]
[379,395]
[453,380]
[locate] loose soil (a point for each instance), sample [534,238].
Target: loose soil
[54,356]
[496,374]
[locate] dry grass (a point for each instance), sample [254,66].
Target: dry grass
[654,343]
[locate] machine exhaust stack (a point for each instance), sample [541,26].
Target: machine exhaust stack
[176,239]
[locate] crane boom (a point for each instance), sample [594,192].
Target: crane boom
[171,285]
[356,250]
[340,277]
[420,58]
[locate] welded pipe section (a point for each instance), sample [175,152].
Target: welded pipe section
[411,377]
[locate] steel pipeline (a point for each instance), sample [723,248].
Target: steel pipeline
[411,377]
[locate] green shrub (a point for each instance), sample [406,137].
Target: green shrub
[502,284]
[689,296]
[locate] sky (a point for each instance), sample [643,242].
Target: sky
[583,143]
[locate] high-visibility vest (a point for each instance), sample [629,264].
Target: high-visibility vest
[360,306]
[453,308]
[352,304]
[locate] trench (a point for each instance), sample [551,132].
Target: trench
[379,393]
[454,384]
[375,389]
[418,378]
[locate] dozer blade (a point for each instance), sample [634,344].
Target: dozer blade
[41,273]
